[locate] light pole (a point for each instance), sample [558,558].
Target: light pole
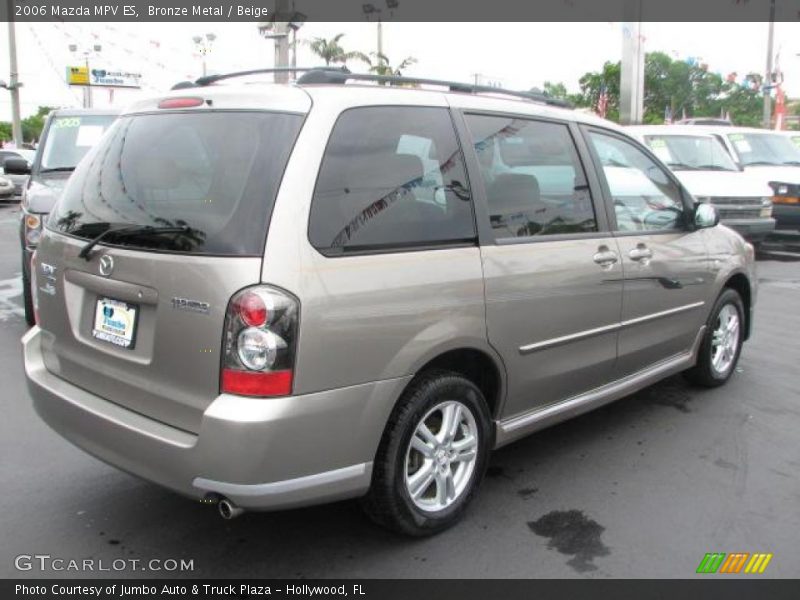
[370,9]
[92,52]
[768,79]
[203,45]
[13,84]
[279,31]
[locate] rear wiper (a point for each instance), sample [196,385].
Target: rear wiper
[682,166]
[791,162]
[126,231]
[761,163]
[57,169]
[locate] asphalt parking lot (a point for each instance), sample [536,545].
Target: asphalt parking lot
[641,488]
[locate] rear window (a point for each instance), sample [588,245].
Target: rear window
[215,174]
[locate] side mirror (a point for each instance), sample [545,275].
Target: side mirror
[16,166]
[706,215]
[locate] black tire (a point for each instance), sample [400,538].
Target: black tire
[388,502]
[704,373]
[27,296]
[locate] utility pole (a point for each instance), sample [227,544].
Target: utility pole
[767,87]
[380,36]
[13,83]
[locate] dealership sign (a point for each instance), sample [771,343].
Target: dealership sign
[102,77]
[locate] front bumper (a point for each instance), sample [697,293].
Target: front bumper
[751,229]
[260,453]
[787,216]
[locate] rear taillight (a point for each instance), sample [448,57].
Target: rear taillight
[259,343]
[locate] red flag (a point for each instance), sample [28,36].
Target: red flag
[602,102]
[780,108]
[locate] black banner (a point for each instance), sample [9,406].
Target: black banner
[399,10]
[440,589]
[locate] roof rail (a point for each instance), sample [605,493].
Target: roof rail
[341,75]
[209,79]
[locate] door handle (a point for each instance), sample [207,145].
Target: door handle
[641,253]
[605,257]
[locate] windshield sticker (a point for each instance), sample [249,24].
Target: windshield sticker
[657,143]
[89,135]
[67,123]
[735,137]
[743,146]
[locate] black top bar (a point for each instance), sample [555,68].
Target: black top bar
[209,79]
[340,75]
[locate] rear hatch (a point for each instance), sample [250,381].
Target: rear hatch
[139,320]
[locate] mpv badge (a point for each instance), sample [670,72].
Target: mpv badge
[106,265]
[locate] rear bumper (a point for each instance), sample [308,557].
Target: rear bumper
[751,229]
[259,453]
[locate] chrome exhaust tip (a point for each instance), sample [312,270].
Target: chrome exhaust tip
[228,510]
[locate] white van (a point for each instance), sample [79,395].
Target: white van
[708,171]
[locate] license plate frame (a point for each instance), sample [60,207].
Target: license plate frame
[120,331]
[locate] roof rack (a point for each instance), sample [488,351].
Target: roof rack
[209,79]
[340,75]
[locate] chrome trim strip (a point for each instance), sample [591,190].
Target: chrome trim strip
[353,472]
[663,313]
[528,348]
[569,338]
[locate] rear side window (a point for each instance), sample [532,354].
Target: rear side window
[535,184]
[215,174]
[391,178]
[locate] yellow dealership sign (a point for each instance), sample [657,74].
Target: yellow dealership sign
[77,76]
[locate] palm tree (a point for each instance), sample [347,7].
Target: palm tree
[331,51]
[382,65]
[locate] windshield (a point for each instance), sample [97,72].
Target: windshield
[212,176]
[687,152]
[70,138]
[764,149]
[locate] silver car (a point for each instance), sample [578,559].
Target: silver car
[268,296]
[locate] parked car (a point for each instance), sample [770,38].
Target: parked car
[19,181]
[6,188]
[706,169]
[776,159]
[269,296]
[67,136]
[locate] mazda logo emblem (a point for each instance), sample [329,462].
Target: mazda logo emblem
[106,265]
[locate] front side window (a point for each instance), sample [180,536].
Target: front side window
[535,184]
[645,198]
[392,177]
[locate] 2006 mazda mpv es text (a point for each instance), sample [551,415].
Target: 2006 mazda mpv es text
[277,295]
